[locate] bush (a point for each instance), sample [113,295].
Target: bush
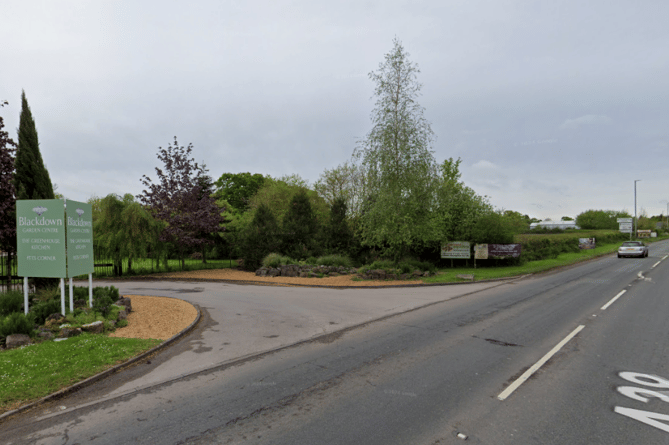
[409,265]
[104,298]
[334,260]
[10,302]
[17,323]
[276,260]
[43,309]
[404,266]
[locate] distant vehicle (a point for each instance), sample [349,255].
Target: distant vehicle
[633,248]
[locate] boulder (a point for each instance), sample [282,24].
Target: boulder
[17,340]
[122,315]
[94,328]
[125,301]
[272,272]
[304,274]
[69,331]
[55,317]
[378,274]
[262,272]
[45,334]
[405,276]
[417,273]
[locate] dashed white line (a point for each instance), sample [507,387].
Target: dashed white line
[613,300]
[655,265]
[527,374]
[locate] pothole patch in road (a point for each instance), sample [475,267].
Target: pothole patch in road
[499,342]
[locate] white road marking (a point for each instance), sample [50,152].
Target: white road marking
[665,257]
[620,294]
[655,265]
[646,417]
[527,374]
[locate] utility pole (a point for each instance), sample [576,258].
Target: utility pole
[635,218]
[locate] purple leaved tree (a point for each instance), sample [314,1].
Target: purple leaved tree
[190,215]
[7,193]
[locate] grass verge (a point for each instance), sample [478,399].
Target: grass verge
[32,372]
[489,273]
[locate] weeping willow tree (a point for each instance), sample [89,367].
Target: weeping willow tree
[125,230]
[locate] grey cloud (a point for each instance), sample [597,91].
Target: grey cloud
[589,119]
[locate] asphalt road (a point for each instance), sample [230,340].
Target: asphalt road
[453,371]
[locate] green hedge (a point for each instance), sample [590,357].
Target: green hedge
[547,247]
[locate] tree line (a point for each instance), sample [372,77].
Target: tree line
[392,199]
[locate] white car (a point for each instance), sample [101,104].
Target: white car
[633,248]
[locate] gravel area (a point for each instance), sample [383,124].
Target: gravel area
[156,317]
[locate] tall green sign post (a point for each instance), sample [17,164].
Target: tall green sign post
[54,240]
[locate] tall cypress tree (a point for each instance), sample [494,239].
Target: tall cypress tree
[32,179]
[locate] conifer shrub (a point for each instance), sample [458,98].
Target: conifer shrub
[10,301]
[17,323]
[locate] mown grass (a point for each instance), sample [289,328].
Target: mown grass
[32,372]
[489,273]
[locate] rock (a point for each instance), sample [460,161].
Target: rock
[426,274]
[404,276]
[55,317]
[17,340]
[262,272]
[378,274]
[292,270]
[465,277]
[272,272]
[125,301]
[334,274]
[94,328]
[122,315]
[70,332]
[45,335]
[304,274]
[417,273]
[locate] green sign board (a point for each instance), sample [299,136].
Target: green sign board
[40,238]
[79,238]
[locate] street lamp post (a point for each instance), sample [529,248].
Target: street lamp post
[635,218]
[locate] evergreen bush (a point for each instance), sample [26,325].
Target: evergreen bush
[17,323]
[10,301]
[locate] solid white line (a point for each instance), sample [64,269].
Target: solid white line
[654,265]
[613,300]
[527,374]
[665,257]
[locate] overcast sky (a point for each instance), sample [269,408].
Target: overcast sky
[554,107]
